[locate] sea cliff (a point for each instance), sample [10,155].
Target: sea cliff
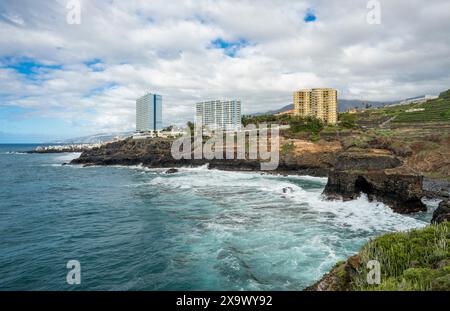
[380,175]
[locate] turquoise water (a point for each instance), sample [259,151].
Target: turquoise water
[199,229]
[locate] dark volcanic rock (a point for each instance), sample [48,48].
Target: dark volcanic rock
[129,152]
[157,153]
[442,213]
[172,171]
[363,161]
[377,177]
[402,192]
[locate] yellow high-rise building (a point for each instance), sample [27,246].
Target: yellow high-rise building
[318,103]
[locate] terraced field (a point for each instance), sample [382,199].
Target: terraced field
[432,111]
[437,110]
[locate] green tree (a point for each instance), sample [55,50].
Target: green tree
[269,119]
[308,124]
[347,120]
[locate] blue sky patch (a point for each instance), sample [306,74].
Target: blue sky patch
[25,125]
[95,64]
[310,16]
[27,66]
[230,47]
[13,112]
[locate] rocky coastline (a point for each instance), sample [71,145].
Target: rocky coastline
[155,153]
[381,176]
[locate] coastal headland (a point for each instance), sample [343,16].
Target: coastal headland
[383,171]
[378,171]
[385,154]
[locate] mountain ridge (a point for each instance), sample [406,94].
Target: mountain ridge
[94,139]
[343,105]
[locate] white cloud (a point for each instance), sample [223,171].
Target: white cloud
[165,47]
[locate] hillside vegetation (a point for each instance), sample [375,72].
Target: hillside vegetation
[422,137]
[435,110]
[412,260]
[415,260]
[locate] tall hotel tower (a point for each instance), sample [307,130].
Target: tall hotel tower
[219,114]
[318,103]
[149,113]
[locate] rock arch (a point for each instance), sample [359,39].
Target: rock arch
[363,186]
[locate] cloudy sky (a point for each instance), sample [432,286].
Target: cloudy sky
[62,80]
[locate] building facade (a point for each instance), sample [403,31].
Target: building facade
[219,115]
[319,103]
[149,113]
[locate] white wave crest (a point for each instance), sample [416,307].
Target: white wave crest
[258,190]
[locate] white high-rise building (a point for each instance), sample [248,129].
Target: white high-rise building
[219,115]
[149,113]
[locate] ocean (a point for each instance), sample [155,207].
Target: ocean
[133,228]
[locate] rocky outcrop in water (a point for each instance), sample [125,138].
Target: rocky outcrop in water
[442,213]
[380,177]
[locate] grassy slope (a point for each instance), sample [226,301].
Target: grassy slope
[415,260]
[412,260]
[436,110]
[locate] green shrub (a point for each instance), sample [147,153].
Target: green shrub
[347,120]
[412,260]
[308,124]
[269,119]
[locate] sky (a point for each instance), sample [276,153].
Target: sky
[61,80]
